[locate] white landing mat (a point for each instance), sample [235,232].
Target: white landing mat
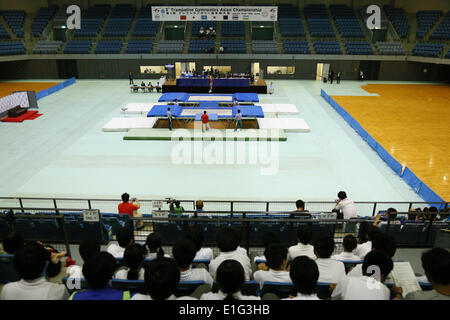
[137,108]
[286,124]
[123,124]
[279,108]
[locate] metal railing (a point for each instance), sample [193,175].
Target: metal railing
[364,208]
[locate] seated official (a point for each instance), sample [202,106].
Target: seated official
[143,86]
[150,87]
[158,87]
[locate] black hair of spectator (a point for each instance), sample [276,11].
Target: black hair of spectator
[384,242]
[227,239]
[161,278]
[133,258]
[304,234]
[99,270]
[12,242]
[124,236]
[392,213]
[342,195]
[300,204]
[379,259]
[195,234]
[154,243]
[436,263]
[125,197]
[349,243]
[230,277]
[184,252]
[275,255]
[88,248]
[324,246]
[304,274]
[30,260]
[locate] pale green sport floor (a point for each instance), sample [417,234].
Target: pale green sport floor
[64,153]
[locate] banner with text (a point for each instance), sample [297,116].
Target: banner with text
[214,13]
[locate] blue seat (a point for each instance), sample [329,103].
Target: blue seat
[170,231]
[281,289]
[134,286]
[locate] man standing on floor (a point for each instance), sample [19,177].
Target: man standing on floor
[130,76]
[169,118]
[210,83]
[238,118]
[205,122]
[338,77]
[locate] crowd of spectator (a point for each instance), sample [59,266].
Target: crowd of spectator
[303,265]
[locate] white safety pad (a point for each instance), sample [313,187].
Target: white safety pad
[211,98]
[286,124]
[279,108]
[137,108]
[123,124]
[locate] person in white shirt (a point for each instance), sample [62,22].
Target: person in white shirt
[330,270]
[382,242]
[346,205]
[276,255]
[230,279]
[436,263]
[364,248]
[271,89]
[124,237]
[195,234]
[303,248]
[154,246]
[304,274]
[349,243]
[184,252]
[30,261]
[227,242]
[133,260]
[367,286]
[161,280]
[86,249]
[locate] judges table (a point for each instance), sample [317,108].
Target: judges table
[225,82]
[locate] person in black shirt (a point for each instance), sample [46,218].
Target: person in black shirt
[300,212]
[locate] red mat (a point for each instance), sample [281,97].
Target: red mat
[34,116]
[25,116]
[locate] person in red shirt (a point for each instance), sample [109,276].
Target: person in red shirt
[205,121]
[131,209]
[210,83]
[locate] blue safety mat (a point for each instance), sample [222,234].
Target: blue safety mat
[161,111]
[209,104]
[249,111]
[183,96]
[246,97]
[171,96]
[212,116]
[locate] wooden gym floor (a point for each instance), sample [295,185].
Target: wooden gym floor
[6,88]
[412,122]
